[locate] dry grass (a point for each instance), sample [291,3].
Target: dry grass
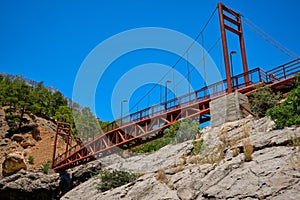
[213,156]
[179,168]
[248,150]
[161,176]
[261,197]
[246,132]
[235,149]
[294,141]
[223,134]
[194,159]
[295,160]
[172,187]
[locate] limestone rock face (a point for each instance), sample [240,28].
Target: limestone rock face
[14,162]
[273,172]
[30,185]
[35,185]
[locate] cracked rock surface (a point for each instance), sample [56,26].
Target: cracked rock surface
[273,172]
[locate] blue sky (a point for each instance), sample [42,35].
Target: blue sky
[48,40]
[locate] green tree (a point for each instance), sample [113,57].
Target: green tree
[41,100]
[20,105]
[64,114]
[56,100]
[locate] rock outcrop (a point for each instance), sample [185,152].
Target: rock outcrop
[30,185]
[35,185]
[13,163]
[217,172]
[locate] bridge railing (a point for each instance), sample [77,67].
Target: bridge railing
[284,71]
[256,75]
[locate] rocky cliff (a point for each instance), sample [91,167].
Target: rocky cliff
[245,159]
[224,168]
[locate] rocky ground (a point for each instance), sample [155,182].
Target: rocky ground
[225,168]
[218,172]
[35,141]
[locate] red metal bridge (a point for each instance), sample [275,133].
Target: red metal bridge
[149,124]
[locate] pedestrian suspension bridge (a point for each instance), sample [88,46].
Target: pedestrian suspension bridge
[149,124]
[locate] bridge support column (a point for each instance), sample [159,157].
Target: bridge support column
[228,108]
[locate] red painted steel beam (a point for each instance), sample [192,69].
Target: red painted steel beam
[239,31]
[138,132]
[225,48]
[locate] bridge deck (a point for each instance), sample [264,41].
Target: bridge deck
[149,124]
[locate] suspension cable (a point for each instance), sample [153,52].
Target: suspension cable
[210,49]
[204,67]
[179,59]
[260,32]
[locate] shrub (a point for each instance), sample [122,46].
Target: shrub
[214,155]
[223,134]
[46,167]
[235,149]
[152,146]
[248,150]
[183,130]
[263,99]
[295,160]
[31,160]
[114,178]
[294,140]
[198,146]
[161,176]
[246,132]
[288,113]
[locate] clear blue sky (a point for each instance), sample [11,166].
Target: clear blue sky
[48,40]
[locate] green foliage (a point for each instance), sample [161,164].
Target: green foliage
[31,160]
[178,132]
[152,146]
[288,113]
[114,178]
[46,167]
[198,146]
[263,99]
[23,102]
[183,131]
[64,114]
[87,124]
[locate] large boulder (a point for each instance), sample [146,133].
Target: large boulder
[27,142]
[36,133]
[30,185]
[13,163]
[18,138]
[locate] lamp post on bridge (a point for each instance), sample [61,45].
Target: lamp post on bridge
[231,53]
[231,66]
[166,92]
[123,101]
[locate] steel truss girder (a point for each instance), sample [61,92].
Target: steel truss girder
[133,134]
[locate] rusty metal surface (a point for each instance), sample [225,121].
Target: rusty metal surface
[235,26]
[148,124]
